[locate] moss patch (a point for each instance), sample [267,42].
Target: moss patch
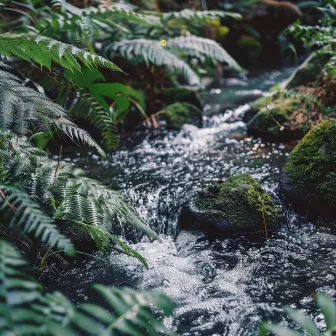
[311,167]
[242,201]
[178,114]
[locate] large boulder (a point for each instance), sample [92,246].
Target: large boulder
[309,180]
[238,205]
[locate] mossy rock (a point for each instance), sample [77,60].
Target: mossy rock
[180,95]
[238,205]
[309,181]
[269,122]
[178,114]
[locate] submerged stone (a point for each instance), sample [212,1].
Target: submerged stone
[237,205]
[309,181]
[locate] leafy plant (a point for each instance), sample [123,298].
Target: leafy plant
[67,194]
[27,112]
[121,95]
[43,51]
[320,37]
[328,309]
[26,311]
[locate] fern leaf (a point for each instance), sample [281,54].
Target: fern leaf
[130,252]
[80,103]
[199,16]
[25,311]
[141,50]
[202,48]
[116,13]
[27,214]
[24,110]
[78,135]
[78,200]
[44,50]
[130,309]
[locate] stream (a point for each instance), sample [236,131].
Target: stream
[221,287]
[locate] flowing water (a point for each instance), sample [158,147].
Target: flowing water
[224,286]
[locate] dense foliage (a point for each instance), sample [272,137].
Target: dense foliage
[59,61]
[62,66]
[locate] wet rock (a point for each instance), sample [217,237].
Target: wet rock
[238,205]
[309,181]
[178,114]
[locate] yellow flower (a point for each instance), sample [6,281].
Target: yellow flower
[163,43]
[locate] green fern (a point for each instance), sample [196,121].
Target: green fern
[25,311]
[115,13]
[43,51]
[202,48]
[25,111]
[141,50]
[68,195]
[151,52]
[28,215]
[200,16]
[78,102]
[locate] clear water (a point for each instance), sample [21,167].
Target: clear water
[222,287]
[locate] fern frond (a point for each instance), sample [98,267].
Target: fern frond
[202,48]
[78,102]
[24,111]
[44,50]
[85,105]
[115,13]
[28,215]
[130,309]
[199,16]
[76,199]
[78,135]
[83,200]
[25,311]
[141,50]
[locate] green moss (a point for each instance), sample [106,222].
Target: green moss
[271,117]
[311,167]
[178,114]
[242,201]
